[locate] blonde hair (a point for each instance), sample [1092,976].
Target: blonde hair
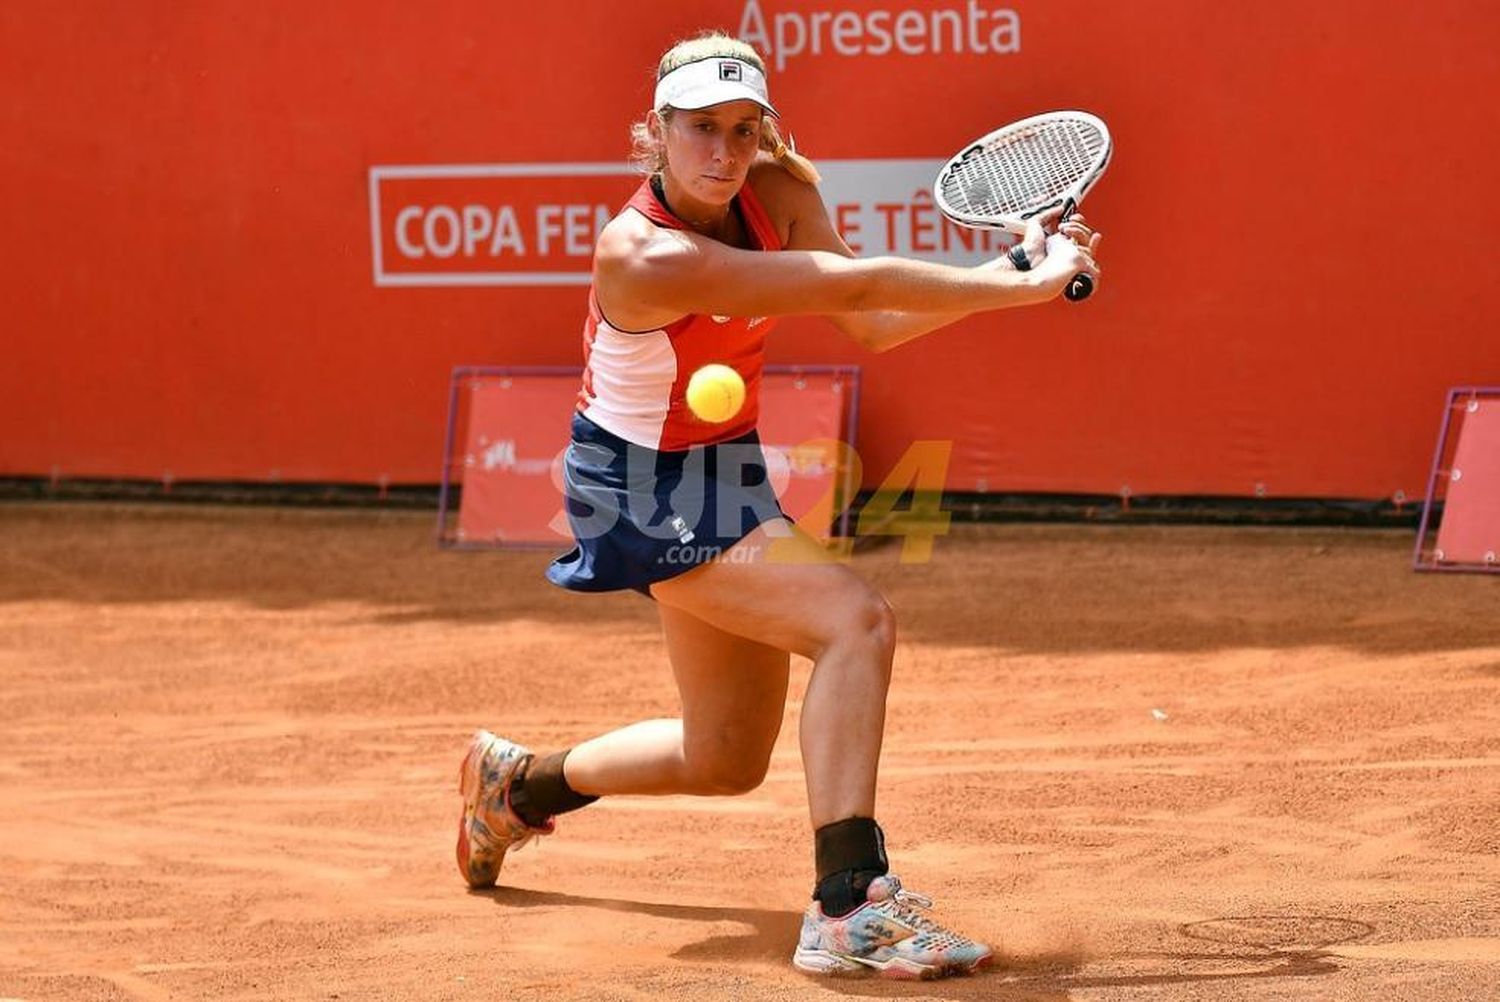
[649,153]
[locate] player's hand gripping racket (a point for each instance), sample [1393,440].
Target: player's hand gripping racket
[1005,178]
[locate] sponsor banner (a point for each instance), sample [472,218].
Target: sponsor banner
[785,32]
[492,224]
[1470,530]
[536,224]
[517,430]
[512,458]
[803,427]
[886,207]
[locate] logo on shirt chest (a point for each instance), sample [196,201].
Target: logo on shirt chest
[751,322]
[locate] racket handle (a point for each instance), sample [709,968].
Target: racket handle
[1082,286]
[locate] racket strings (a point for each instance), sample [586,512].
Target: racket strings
[1018,172]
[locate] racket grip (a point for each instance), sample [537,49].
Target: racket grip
[1080,288]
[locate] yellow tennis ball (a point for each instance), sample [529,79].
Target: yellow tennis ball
[715,393]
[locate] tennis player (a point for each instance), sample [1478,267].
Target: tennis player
[726,233]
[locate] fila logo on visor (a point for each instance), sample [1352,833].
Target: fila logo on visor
[729,71]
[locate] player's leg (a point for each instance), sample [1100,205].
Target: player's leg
[787,593]
[728,625]
[733,691]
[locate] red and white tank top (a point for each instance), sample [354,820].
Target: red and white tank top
[634,382]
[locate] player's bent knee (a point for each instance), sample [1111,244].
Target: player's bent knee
[738,784]
[727,783]
[860,617]
[880,622]
[870,622]
[727,777]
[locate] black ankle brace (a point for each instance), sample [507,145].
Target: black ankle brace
[850,853]
[540,791]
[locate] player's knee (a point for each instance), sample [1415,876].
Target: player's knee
[870,623]
[880,623]
[740,778]
[861,619]
[728,776]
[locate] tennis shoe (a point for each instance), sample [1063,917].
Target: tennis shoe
[489,827]
[888,935]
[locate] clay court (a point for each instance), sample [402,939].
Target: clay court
[1147,763]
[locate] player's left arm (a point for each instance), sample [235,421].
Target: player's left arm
[880,330]
[812,229]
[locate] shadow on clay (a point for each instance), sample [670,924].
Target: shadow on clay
[1268,946]
[772,935]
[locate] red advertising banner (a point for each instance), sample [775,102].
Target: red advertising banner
[805,429]
[510,466]
[508,430]
[250,242]
[1470,530]
[501,224]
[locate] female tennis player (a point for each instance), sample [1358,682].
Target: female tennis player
[728,232]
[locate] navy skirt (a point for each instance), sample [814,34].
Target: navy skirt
[640,516]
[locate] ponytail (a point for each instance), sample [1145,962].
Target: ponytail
[786,154]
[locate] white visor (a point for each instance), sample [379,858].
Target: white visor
[712,81]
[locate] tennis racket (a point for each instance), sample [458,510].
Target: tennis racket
[1005,178]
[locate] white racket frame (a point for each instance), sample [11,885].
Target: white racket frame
[1017,223]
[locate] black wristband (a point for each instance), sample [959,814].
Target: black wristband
[1019,259]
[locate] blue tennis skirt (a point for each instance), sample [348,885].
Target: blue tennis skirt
[640,516]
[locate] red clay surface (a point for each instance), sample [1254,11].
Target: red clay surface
[1177,763]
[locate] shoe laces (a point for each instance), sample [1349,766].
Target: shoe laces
[908,906]
[887,890]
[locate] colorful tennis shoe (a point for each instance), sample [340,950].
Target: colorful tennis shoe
[488,827]
[887,935]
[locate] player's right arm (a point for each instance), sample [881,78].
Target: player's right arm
[647,275]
